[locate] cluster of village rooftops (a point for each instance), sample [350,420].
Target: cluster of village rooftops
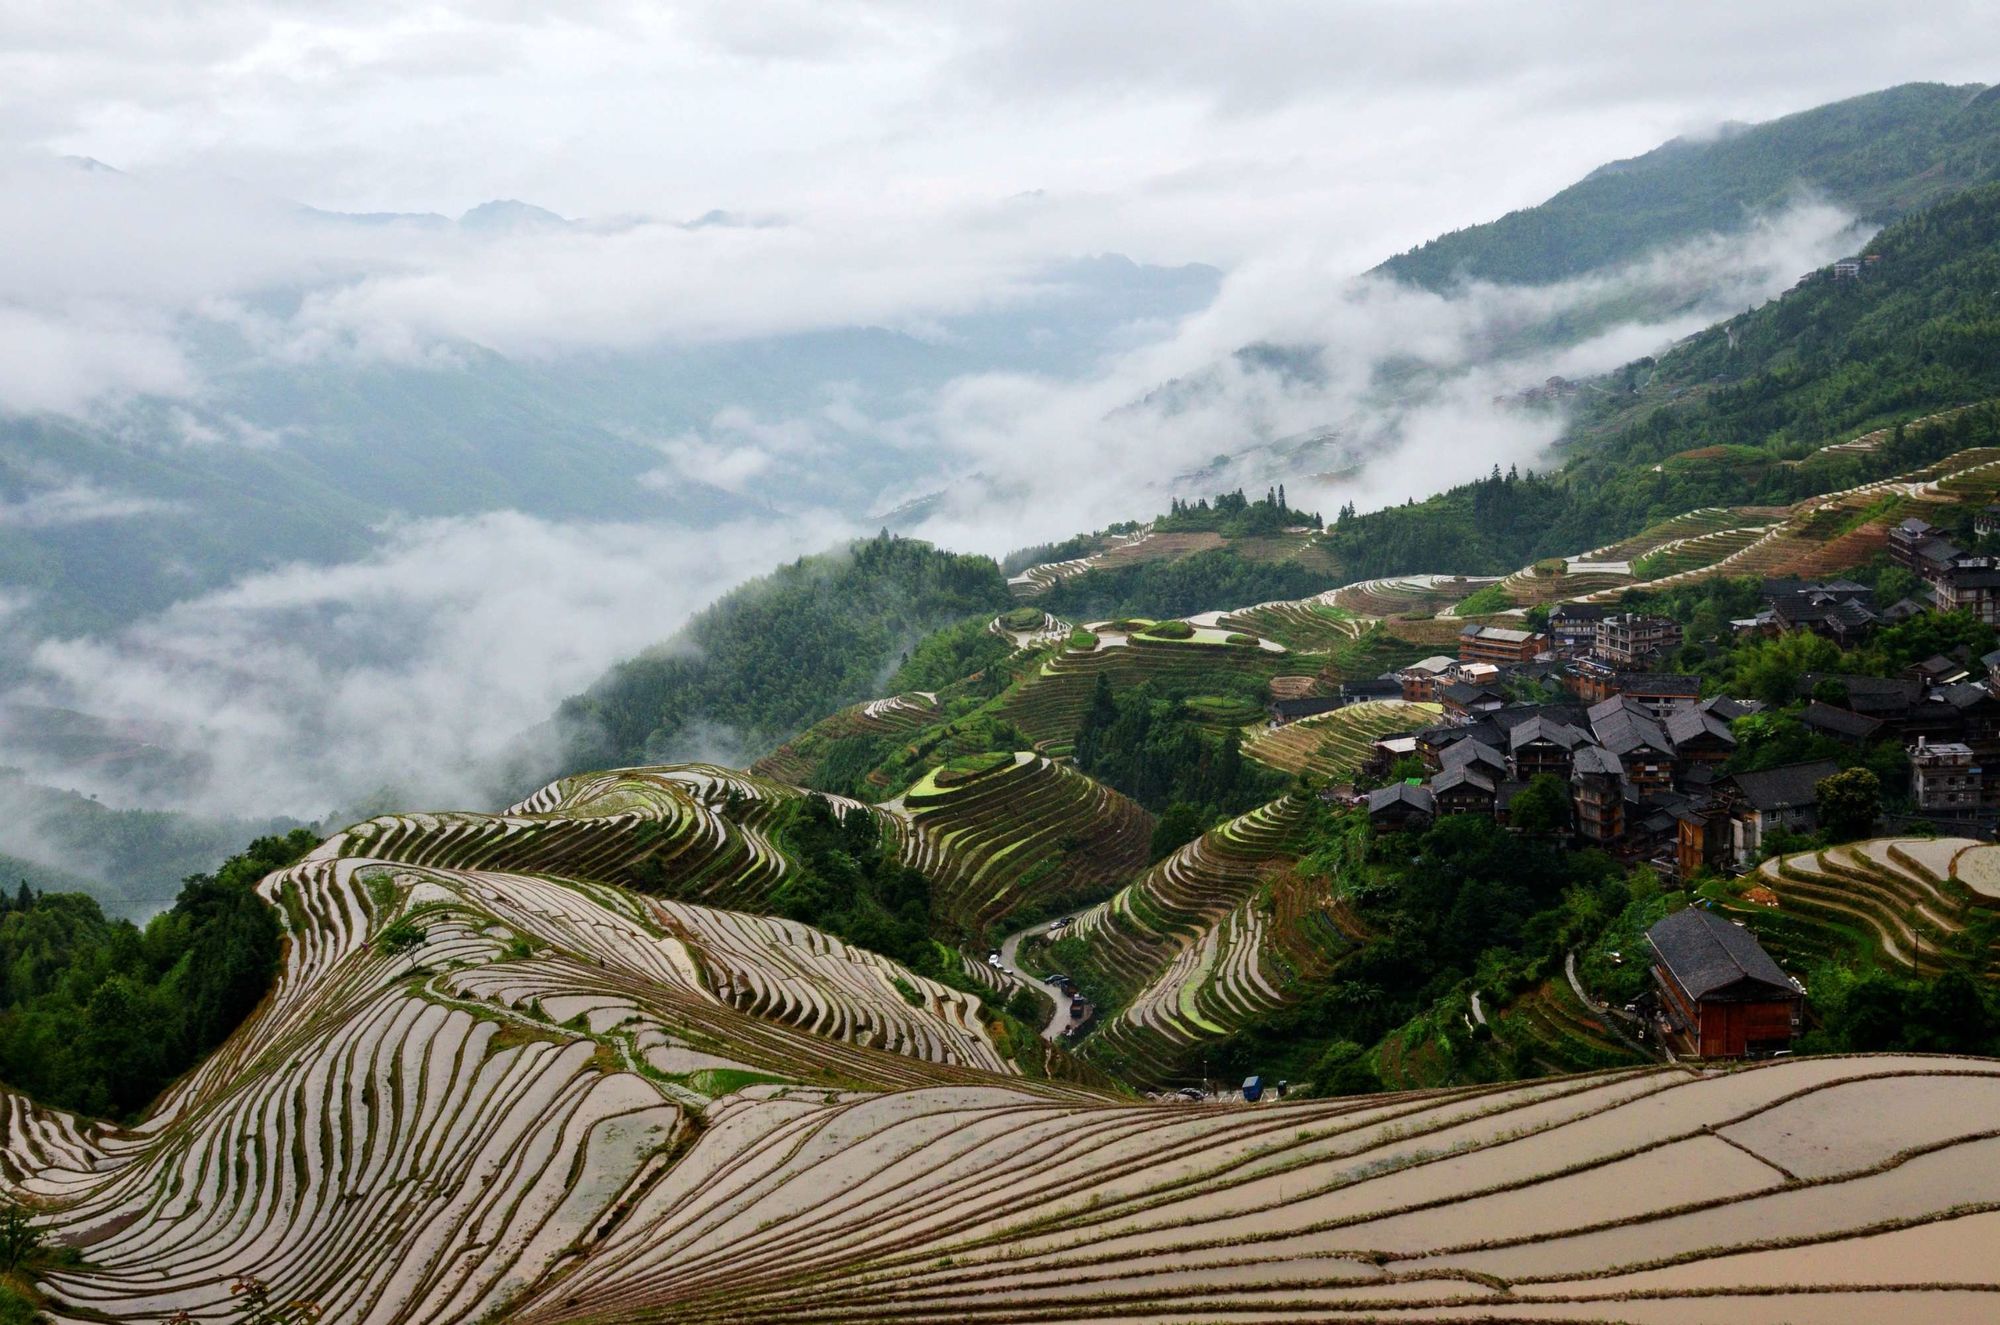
[1642,751]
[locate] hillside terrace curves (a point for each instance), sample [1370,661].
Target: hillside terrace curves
[1591,1199]
[1331,746]
[560,1109]
[1025,838]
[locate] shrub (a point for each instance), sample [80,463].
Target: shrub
[1022,618]
[1170,630]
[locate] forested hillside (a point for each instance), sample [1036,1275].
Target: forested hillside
[777,653]
[1880,155]
[1735,414]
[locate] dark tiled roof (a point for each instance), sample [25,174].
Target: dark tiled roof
[1461,777]
[1883,695]
[1401,793]
[1509,718]
[1707,955]
[1579,612]
[1659,683]
[1597,759]
[1967,694]
[1305,708]
[1461,693]
[1545,729]
[1840,721]
[1685,725]
[1787,786]
[1729,710]
[1498,634]
[1625,732]
[1462,753]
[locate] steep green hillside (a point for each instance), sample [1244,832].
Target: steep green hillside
[1880,155]
[777,654]
[1733,416]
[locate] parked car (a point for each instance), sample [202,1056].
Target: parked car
[1190,1093]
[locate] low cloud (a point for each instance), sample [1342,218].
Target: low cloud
[1402,379]
[75,503]
[309,689]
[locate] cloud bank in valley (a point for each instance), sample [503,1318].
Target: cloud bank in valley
[307,689]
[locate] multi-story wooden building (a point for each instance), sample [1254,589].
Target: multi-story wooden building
[1721,995]
[1499,645]
[1597,795]
[1945,777]
[1629,639]
[1573,627]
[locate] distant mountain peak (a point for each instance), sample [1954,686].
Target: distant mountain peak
[508,214]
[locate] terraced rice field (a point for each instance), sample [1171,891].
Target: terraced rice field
[1049,704]
[1904,897]
[1124,550]
[1331,746]
[1307,624]
[570,1103]
[1827,534]
[1529,586]
[1404,594]
[893,716]
[1189,948]
[1556,1033]
[1030,836]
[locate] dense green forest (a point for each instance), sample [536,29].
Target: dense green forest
[99,1015]
[1880,156]
[1151,748]
[777,654]
[1220,577]
[1234,515]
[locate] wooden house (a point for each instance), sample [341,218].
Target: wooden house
[1401,805]
[1463,790]
[1597,795]
[1721,995]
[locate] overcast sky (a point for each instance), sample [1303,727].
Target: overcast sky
[1167,129]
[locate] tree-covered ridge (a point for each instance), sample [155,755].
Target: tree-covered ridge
[1235,515]
[777,653]
[1880,155]
[1733,415]
[100,1016]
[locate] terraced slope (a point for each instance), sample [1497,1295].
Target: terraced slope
[1048,704]
[415,1135]
[1826,534]
[1331,746]
[893,716]
[1027,838]
[1912,900]
[565,1103]
[1397,595]
[1124,550]
[1206,939]
[1839,1190]
[1307,624]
